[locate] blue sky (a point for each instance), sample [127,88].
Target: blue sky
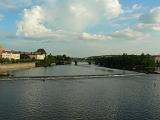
[81,27]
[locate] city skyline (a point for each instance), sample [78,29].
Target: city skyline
[81,28]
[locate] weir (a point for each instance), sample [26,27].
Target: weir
[67,77]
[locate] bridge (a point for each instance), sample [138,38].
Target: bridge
[89,60]
[86,60]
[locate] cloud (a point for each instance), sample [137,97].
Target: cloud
[75,15]
[126,18]
[132,9]
[136,6]
[149,27]
[32,22]
[152,17]
[79,16]
[12,4]
[96,37]
[124,34]
[146,26]
[32,25]
[48,21]
[52,17]
[150,20]
[129,16]
[112,8]
[129,34]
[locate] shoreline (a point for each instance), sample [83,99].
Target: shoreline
[6,68]
[138,71]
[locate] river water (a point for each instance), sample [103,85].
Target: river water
[135,97]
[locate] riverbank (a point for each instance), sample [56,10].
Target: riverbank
[6,68]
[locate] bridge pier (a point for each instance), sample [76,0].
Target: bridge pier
[75,62]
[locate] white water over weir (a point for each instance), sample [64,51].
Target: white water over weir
[68,77]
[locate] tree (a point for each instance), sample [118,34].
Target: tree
[41,51]
[24,56]
[143,63]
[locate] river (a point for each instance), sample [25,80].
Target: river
[117,97]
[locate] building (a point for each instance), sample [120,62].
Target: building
[11,55]
[17,55]
[36,56]
[157,58]
[41,57]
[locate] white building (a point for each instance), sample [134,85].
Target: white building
[37,56]
[157,58]
[11,55]
[41,57]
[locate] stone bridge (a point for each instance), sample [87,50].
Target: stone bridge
[86,60]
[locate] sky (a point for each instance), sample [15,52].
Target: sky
[81,28]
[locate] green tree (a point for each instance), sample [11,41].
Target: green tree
[41,51]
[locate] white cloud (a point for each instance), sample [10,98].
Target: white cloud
[133,9]
[32,22]
[88,36]
[112,8]
[124,34]
[32,25]
[123,18]
[76,15]
[137,6]
[146,25]
[69,15]
[143,26]
[130,13]
[129,34]
[150,20]
[155,14]
[80,16]
[152,17]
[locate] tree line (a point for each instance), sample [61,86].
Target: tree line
[141,63]
[57,60]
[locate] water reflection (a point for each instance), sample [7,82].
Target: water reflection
[61,70]
[114,98]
